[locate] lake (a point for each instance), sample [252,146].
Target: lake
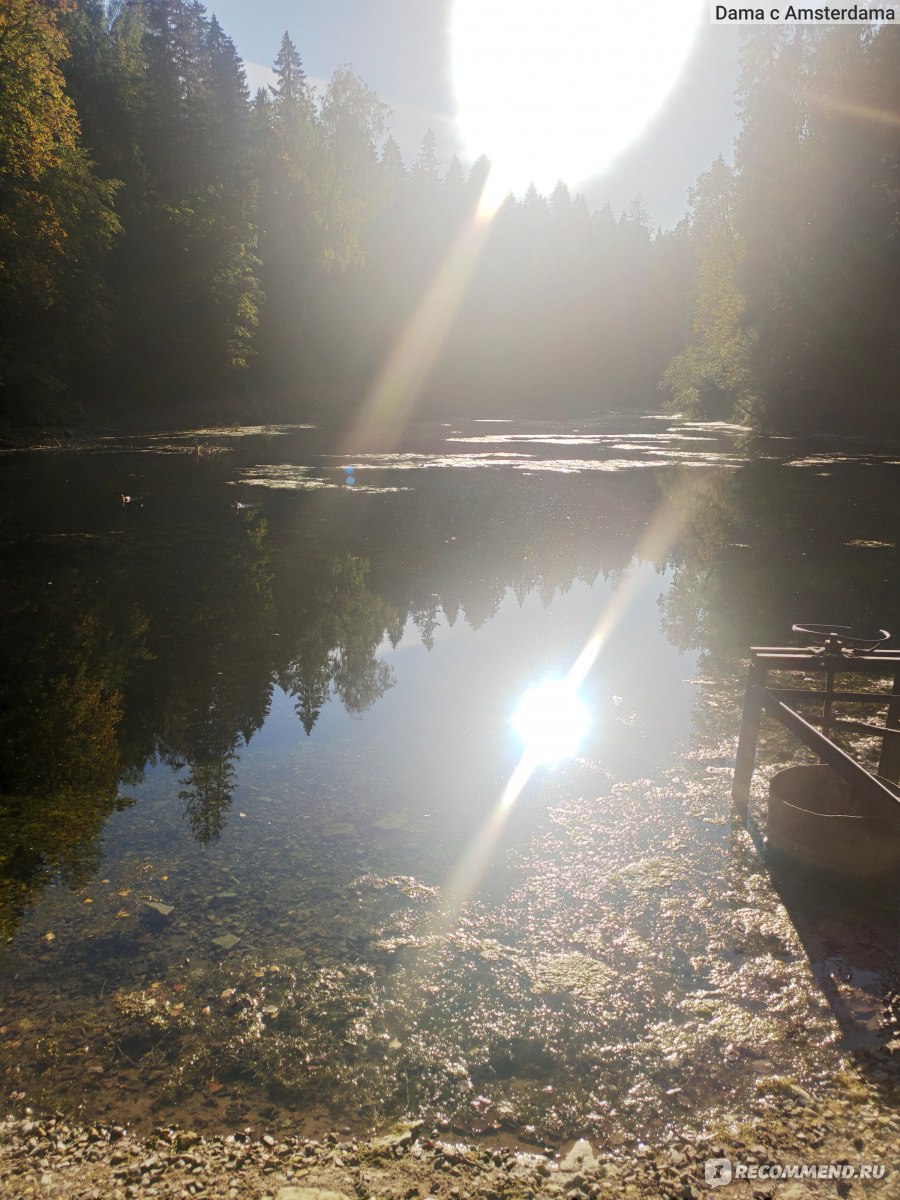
[260,863]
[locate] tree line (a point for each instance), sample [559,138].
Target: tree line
[171,247]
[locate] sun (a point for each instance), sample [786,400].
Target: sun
[551,720]
[556,89]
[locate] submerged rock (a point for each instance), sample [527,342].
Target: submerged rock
[580,1158]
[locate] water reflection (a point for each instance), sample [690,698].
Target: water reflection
[280,715]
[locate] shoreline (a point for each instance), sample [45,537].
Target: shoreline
[842,1128]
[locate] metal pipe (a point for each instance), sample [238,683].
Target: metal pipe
[829,753]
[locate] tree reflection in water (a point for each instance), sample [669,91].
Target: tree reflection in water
[160,635]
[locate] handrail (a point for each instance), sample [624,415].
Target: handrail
[882,786]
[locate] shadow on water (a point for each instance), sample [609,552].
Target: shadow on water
[851,935]
[252,719]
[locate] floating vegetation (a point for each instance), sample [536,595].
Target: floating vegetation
[284,475]
[415,461]
[291,477]
[528,463]
[830,459]
[244,431]
[718,426]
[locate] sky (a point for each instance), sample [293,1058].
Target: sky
[401,49]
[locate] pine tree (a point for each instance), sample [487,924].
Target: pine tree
[228,116]
[292,96]
[104,74]
[425,171]
[392,168]
[455,205]
[560,202]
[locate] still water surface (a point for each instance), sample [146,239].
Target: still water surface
[254,869]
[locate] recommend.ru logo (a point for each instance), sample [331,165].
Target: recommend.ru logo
[717,1171]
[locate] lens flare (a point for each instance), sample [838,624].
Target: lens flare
[556,89]
[551,720]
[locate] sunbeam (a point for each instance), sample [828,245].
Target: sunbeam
[860,112]
[398,387]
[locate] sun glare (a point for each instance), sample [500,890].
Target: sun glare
[556,89]
[551,720]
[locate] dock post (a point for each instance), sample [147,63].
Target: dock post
[828,703]
[746,749]
[889,762]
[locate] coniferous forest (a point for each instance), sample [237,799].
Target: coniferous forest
[173,248]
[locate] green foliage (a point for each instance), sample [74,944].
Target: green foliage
[39,122]
[710,377]
[352,123]
[56,220]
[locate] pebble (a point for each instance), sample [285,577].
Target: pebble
[580,1158]
[302,1193]
[43,1157]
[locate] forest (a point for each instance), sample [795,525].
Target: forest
[174,249]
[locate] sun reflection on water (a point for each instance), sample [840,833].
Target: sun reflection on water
[551,719]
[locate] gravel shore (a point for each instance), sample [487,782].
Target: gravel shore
[845,1128]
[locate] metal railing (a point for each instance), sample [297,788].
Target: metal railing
[837,655]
